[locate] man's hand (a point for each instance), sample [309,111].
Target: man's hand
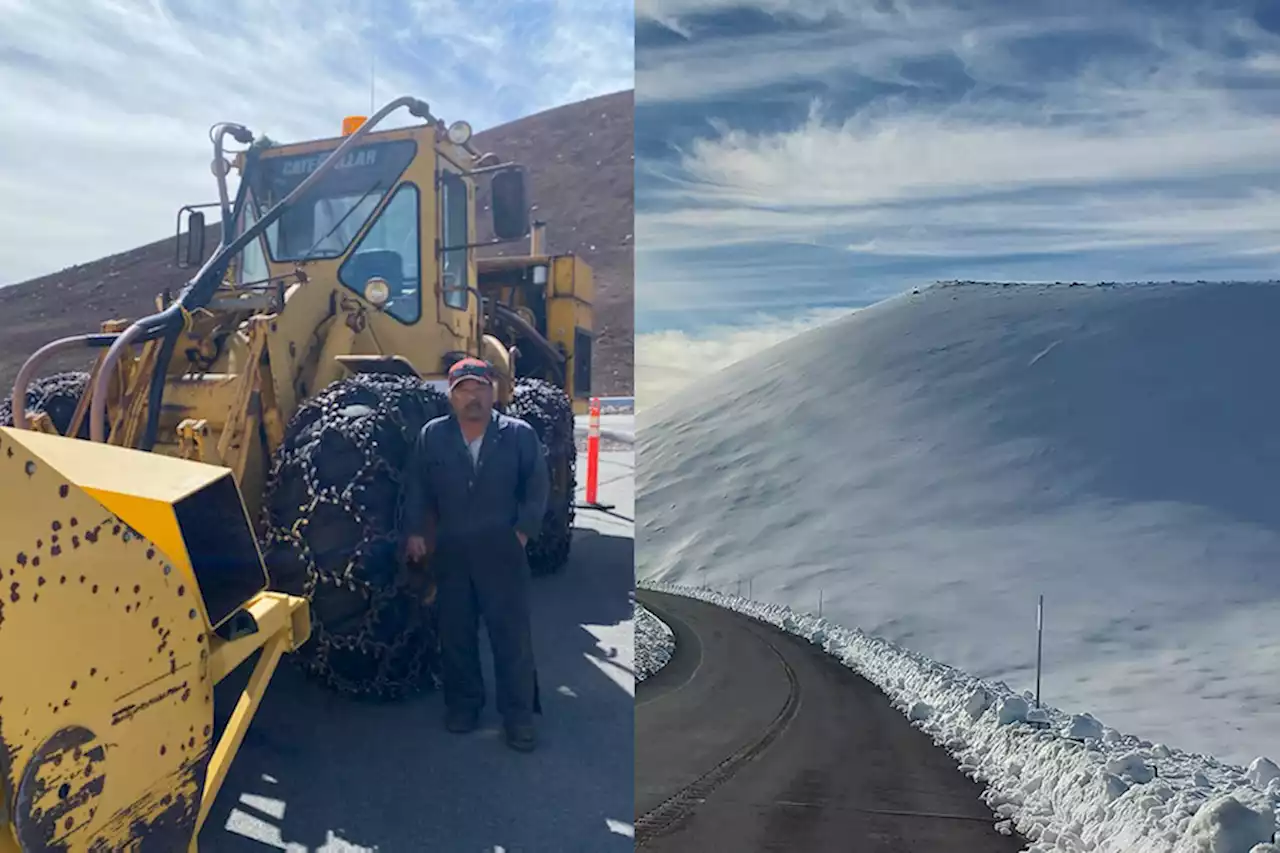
[524,540]
[415,548]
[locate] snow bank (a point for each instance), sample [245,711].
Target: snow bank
[654,643]
[1066,782]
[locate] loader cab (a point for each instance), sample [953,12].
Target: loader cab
[393,224]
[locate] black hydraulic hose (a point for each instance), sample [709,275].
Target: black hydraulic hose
[155,392]
[148,328]
[506,315]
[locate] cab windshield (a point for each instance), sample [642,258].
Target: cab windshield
[326,219]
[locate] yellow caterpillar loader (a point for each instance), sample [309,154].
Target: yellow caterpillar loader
[225,479]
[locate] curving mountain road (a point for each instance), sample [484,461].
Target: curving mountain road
[752,739]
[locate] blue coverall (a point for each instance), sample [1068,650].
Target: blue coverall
[480,566]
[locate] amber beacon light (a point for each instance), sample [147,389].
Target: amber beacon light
[351,124]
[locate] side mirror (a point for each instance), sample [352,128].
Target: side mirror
[194,255]
[510,204]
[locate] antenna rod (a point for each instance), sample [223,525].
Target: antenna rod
[373,54]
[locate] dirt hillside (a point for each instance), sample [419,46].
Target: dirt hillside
[581,182]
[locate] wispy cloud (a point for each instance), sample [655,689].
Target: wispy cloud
[107,103]
[892,143]
[669,361]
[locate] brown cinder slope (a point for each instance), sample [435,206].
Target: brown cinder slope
[581,182]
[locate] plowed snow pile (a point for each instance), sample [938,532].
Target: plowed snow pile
[654,643]
[928,466]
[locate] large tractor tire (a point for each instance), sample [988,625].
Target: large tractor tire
[548,410]
[332,521]
[57,396]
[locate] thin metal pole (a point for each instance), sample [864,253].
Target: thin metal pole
[819,602]
[1039,644]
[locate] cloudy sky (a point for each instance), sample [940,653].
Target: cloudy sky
[798,157]
[107,103]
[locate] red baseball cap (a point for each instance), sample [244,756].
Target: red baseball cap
[474,369]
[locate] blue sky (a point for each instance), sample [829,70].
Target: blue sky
[795,157]
[107,103]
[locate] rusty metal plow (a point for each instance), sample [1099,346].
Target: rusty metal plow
[130,584]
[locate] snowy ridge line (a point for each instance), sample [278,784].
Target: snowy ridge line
[620,436]
[1065,781]
[964,282]
[617,405]
[655,642]
[617,420]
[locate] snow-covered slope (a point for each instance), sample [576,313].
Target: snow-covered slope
[931,464]
[654,643]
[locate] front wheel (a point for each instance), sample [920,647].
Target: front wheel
[547,408]
[332,517]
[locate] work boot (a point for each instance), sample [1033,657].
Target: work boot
[460,721]
[521,737]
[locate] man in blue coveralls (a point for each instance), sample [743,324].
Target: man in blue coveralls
[482,478]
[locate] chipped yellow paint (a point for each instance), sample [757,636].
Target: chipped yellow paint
[76,711]
[107,742]
[140,488]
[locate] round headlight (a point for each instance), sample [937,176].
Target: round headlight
[459,133]
[377,291]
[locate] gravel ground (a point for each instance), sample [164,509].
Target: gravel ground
[654,643]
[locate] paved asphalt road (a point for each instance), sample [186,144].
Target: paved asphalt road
[817,758]
[321,773]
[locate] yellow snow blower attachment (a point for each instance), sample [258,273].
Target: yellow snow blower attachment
[132,585]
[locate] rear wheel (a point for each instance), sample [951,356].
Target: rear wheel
[548,410]
[57,396]
[332,534]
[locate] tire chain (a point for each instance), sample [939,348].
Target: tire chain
[57,395]
[331,513]
[548,410]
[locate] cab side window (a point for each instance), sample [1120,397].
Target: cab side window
[454,240]
[252,268]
